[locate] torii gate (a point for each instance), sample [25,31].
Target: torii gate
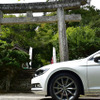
[58,6]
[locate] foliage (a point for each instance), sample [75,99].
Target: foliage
[82,41]
[19,34]
[88,14]
[44,41]
[38,36]
[10,63]
[95,22]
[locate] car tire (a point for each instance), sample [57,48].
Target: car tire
[64,86]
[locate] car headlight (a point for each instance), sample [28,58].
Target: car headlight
[41,71]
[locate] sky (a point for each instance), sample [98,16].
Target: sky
[21,1]
[95,3]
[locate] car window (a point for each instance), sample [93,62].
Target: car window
[92,58]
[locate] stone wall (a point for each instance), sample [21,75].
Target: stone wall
[21,83]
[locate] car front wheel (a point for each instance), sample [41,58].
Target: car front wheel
[64,86]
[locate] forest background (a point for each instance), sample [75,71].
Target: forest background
[83,37]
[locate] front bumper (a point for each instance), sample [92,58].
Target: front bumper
[39,84]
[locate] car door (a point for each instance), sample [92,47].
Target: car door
[93,70]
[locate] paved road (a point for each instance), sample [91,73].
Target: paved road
[29,96]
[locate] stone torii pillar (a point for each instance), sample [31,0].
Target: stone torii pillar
[63,45]
[1,16]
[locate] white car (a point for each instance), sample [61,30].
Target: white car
[68,80]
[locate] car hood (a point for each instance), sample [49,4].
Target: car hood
[72,63]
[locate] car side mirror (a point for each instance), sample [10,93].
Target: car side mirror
[97,58]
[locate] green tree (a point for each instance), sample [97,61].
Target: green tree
[38,36]
[88,14]
[44,40]
[23,35]
[82,41]
[10,63]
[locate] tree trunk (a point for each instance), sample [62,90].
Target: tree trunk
[8,81]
